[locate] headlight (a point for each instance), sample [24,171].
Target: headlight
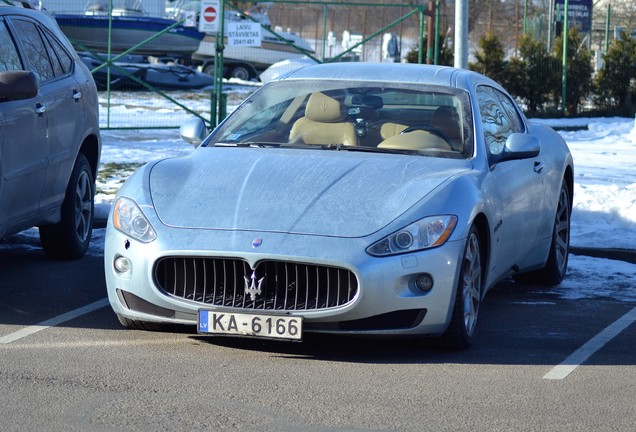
[426,233]
[128,218]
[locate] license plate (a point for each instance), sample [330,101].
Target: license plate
[269,326]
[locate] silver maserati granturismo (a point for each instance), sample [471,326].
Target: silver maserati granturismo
[369,199]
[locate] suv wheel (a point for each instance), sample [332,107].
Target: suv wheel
[69,239]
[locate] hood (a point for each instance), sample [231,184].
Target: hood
[331,193]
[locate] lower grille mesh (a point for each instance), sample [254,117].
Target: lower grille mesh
[232,283]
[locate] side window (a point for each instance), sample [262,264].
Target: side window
[513,115]
[499,118]
[9,59]
[55,61]
[34,49]
[62,61]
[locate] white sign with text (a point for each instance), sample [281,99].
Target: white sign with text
[244,34]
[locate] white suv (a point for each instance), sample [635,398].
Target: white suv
[49,134]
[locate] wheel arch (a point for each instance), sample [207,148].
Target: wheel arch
[568,178]
[483,228]
[90,149]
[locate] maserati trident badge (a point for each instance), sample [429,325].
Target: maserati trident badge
[253,287]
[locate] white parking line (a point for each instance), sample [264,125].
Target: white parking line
[27,331]
[579,356]
[48,345]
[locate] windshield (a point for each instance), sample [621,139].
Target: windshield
[353,116]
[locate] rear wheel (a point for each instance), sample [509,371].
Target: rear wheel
[557,264]
[69,238]
[241,72]
[461,330]
[208,69]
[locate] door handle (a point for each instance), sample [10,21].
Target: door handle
[77,95]
[538,166]
[40,108]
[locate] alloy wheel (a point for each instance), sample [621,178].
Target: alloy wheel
[471,283]
[562,230]
[83,206]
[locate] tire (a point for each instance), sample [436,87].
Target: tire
[139,325]
[209,69]
[241,72]
[557,265]
[69,238]
[461,330]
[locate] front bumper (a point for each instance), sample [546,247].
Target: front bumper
[387,301]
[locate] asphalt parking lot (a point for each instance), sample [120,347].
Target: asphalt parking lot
[539,363]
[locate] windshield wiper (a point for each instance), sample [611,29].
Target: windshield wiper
[312,146]
[379,150]
[355,148]
[334,147]
[247,144]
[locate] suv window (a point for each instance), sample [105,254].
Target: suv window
[62,62]
[34,49]
[9,59]
[499,118]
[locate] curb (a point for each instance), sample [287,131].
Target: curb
[628,255]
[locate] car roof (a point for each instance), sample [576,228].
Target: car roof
[407,73]
[394,73]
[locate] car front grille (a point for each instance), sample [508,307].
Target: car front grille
[232,283]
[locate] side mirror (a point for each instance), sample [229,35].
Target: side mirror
[520,146]
[17,85]
[193,131]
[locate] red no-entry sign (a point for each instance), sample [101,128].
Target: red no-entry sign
[209,14]
[208,23]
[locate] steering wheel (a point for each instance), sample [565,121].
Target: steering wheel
[430,129]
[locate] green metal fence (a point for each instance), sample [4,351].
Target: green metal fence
[294,30]
[325,31]
[318,31]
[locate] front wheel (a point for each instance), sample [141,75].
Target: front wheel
[140,325]
[69,238]
[461,330]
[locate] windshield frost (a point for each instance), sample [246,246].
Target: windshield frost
[353,116]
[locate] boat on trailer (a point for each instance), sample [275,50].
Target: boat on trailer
[129,26]
[245,62]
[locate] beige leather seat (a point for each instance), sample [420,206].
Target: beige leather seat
[446,119]
[322,123]
[415,140]
[387,130]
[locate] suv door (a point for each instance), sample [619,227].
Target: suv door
[23,162]
[65,121]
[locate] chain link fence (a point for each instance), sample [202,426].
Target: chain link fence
[151,55]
